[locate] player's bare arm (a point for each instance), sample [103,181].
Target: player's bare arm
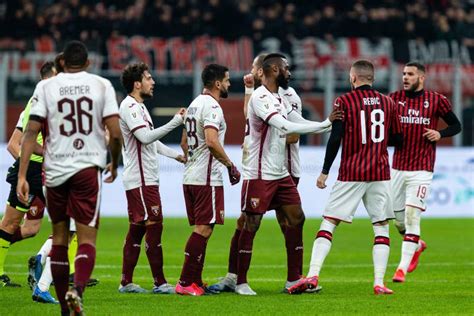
[249,83]
[212,142]
[14,143]
[115,145]
[184,143]
[27,148]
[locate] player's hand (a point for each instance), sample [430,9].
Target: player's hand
[321,182]
[181,159]
[234,174]
[432,135]
[23,190]
[109,169]
[336,115]
[249,81]
[181,112]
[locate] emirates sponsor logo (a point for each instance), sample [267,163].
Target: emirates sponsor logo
[414,117]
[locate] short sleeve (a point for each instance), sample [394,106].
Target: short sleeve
[110,101]
[19,124]
[339,105]
[444,106]
[38,102]
[132,114]
[396,126]
[212,116]
[263,107]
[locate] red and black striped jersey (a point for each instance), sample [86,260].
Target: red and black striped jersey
[368,117]
[417,112]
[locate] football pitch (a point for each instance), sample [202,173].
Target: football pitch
[442,284]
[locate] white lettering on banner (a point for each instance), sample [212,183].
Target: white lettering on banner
[451,192]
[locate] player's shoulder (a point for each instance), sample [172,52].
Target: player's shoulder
[207,102]
[430,93]
[289,92]
[395,95]
[261,94]
[98,79]
[128,103]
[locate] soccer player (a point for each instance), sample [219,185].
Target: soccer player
[267,182]
[252,81]
[364,173]
[10,229]
[413,164]
[141,178]
[202,184]
[75,106]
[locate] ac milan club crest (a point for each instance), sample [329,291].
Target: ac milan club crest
[254,202]
[155,209]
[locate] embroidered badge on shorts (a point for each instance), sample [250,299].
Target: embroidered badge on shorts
[254,202]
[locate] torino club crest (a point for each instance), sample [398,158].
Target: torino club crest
[254,202]
[155,209]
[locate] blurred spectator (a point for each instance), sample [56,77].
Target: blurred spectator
[92,20]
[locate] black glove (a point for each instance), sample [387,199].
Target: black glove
[234,174]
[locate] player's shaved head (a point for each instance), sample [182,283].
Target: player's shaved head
[75,55]
[270,60]
[131,74]
[419,66]
[364,71]
[47,70]
[258,62]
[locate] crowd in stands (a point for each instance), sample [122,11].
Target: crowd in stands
[97,20]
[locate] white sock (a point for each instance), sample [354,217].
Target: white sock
[410,242]
[380,253]
[46,277]
[45,250]
[321,247]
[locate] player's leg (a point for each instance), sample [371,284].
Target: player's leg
[205,207]
[341,206]
[10,223]
[398,193]
[60,262]
[418,187]
[378,203]
[32,222]
[227,283]
[251,226]
[41,290]
[133,240]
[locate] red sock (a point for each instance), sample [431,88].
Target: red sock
[194,254]
[245,255]
[154,252]
[234,252]
[60,272]
[131,251]
[16,235]
[294,252]
[84,263]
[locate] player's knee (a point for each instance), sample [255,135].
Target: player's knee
[241,222]
[297,220]
[204,230]
[31,228]
[252,222]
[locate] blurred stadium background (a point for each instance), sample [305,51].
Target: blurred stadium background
[320,38]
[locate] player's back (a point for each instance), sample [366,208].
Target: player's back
[368,117]
[201,168]
[74,106]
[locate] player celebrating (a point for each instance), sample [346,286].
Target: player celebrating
[413,164]
[364,173]
[267,182]
[202,183]
[74,106]
[10,229]
[140,178]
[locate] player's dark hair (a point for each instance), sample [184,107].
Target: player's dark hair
[213,73]
[57,62]
[131,74]
[365,69]
[75,54]
[47,70]
[270,60]
[416,64]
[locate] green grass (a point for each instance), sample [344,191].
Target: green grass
[442,284]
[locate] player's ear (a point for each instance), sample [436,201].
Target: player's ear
[87,64]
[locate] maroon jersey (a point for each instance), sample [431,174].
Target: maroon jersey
[368,117]
[421,111]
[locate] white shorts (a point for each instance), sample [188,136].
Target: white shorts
[346,196]
[410,188]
